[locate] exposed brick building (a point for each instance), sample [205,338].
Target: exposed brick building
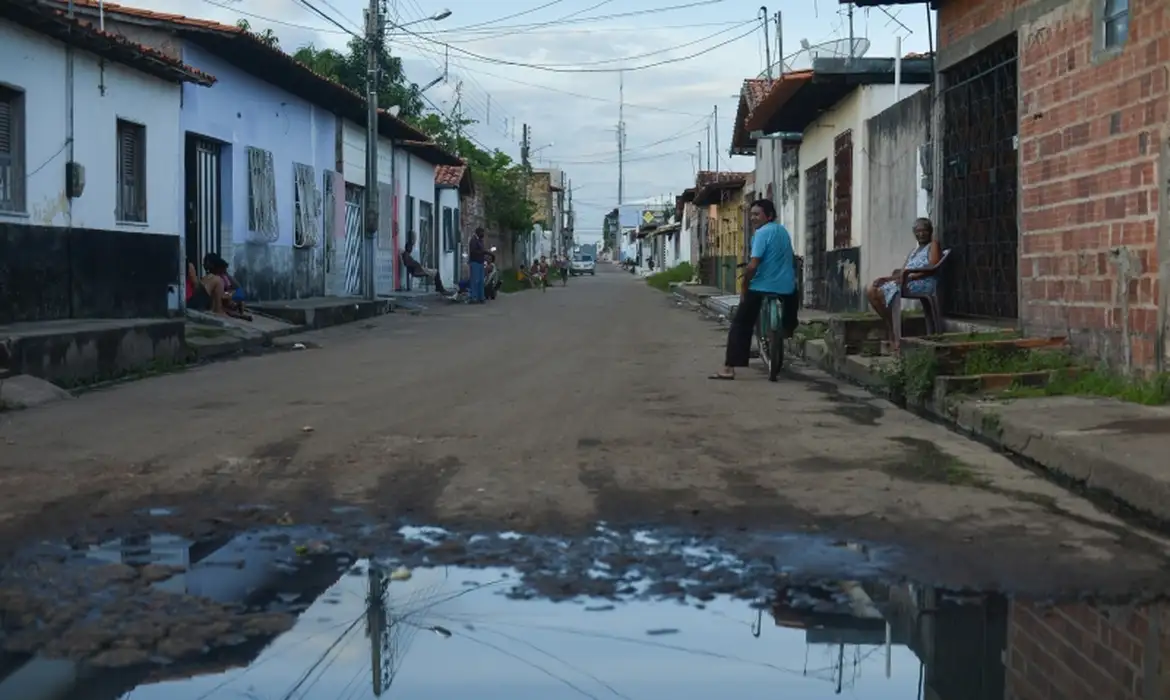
[1051,147]
[1080,652]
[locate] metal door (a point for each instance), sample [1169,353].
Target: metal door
[352,267]
[843,190]
[816,235]
[980,129]
[204,202]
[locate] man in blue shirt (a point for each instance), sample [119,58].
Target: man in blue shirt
[771,270]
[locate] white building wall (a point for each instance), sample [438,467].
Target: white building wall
[850,113]
[448,197]
[36,65]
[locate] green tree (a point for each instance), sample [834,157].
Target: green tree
[267,36]
[349,68]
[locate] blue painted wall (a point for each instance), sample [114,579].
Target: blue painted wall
[241,111]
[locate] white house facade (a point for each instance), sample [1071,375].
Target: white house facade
[89,132]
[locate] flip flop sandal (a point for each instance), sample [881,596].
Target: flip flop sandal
[722,377]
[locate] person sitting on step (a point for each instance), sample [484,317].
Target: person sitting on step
[417,269]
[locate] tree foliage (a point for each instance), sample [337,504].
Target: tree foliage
[349,69]
[267,36]
[501,181]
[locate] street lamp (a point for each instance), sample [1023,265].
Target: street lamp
[437,17]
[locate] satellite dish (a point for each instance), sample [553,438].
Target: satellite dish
[803,59]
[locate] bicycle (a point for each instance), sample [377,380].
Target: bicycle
[770,332]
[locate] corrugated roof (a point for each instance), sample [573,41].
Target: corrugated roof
[751,94]
[83,34]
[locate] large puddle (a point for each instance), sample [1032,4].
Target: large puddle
[284,614]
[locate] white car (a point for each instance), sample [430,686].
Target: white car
[582,265]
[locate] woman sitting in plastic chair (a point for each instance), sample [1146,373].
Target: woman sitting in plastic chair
[884,293]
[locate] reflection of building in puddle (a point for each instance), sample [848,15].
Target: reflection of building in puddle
[843,622]
[253,570]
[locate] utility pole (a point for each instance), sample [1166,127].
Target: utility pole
[524,146]
[374,33]
[716,138]
[621,136]
[767,43]
[780,42]
[708,146]
[457,117]
[699,162]
[849,9]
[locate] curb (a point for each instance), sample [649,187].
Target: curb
[1094,471]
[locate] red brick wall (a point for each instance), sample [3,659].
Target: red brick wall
[1077,652]
[1090,135]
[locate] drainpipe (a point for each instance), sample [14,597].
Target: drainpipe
[69,113]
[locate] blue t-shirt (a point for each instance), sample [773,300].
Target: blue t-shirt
[773,246]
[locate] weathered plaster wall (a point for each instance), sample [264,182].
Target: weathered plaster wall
[896,137]
[103,92]
[243,111]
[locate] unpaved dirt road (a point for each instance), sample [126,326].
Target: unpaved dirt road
[548,412]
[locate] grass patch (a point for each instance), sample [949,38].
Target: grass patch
[910,377]
[1147,391]
[813,330]
[986,360]
[683,272]
[974,337]
[206,331]
[510,285]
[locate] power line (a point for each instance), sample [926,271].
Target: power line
[514,14]
[596,18]
[560,69]
[559,20]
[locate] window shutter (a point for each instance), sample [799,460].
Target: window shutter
[128,158]
[6,125]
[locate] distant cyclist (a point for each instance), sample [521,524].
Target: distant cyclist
[770,271]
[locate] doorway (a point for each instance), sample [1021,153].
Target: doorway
[352,261]
[204,199]
[816,241]
[979,184]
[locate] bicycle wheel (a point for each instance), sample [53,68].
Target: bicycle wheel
[775,340]
[763,337]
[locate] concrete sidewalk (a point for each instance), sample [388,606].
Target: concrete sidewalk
[1110,446]
[714,300]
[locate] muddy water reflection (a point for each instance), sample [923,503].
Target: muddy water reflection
[282,614]
[453,633]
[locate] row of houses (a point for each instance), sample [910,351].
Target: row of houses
[132,142]
[1036,137]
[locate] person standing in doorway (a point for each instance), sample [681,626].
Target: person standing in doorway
[476,254]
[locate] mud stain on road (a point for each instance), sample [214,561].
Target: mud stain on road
[414,486]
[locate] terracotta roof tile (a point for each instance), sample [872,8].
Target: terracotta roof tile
[159,16]
[710,177]
[755,90]
[449,175]
[119,48]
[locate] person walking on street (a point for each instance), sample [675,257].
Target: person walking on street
[475,258]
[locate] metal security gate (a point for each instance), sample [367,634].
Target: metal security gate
[203,199]
[980,130]
[843,190]
[353,240]
[816,236]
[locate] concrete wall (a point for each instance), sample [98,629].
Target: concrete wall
[896,197]
[1094,154]
[449,258]
[849,114]
[36,65]
[243,111]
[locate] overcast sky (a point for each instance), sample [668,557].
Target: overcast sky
[668,107]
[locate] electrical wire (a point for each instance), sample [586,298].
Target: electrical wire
[515,14]
[559,20]
[561,69]
[596,18]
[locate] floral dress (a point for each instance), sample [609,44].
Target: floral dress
[919,259]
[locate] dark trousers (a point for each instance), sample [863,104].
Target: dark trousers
[743,325]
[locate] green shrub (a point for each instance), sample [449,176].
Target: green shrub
[683,272]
